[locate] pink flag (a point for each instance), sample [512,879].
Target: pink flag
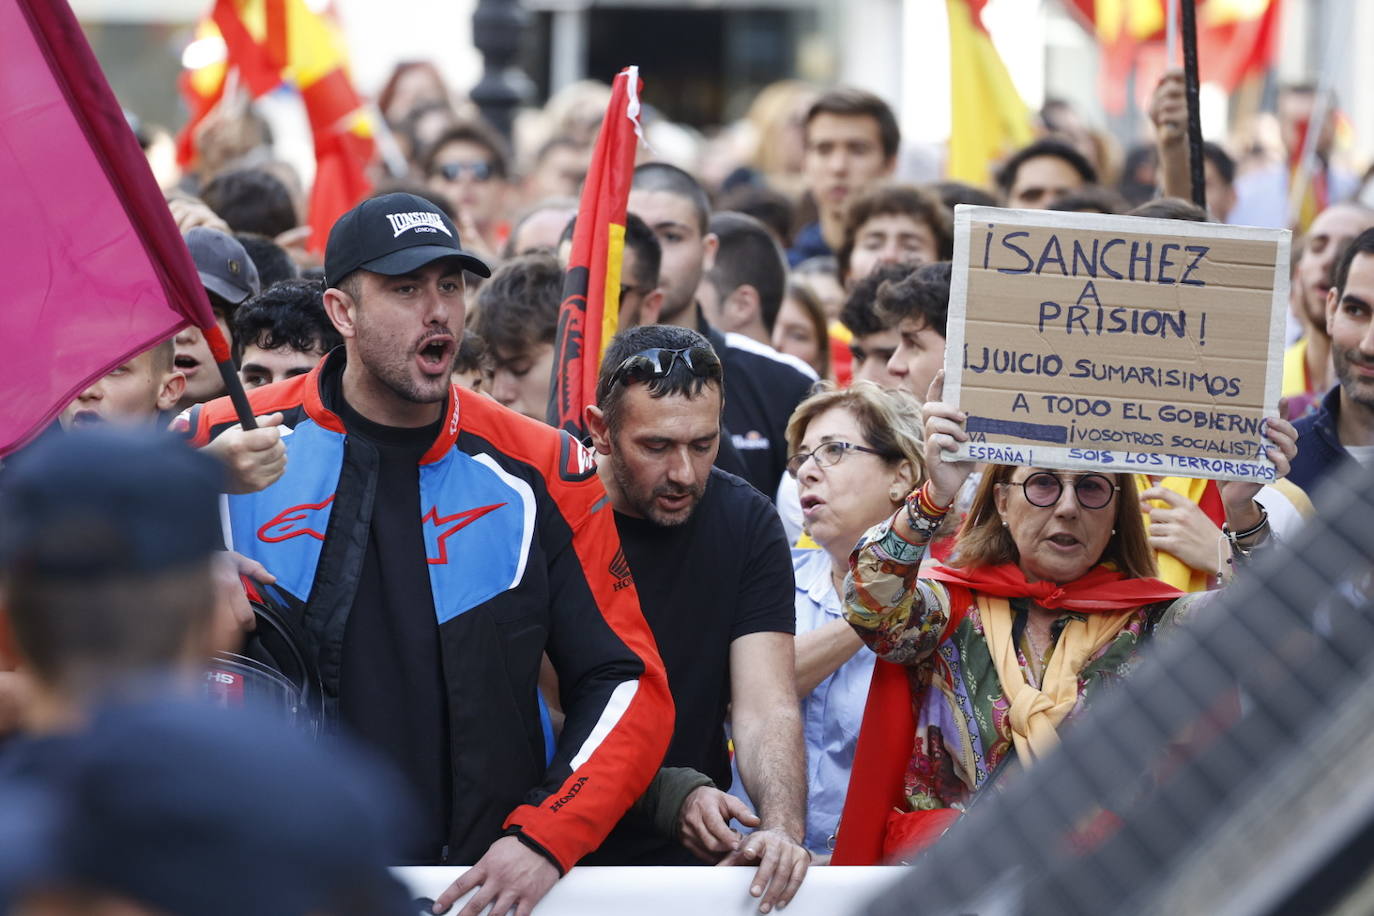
[96,270]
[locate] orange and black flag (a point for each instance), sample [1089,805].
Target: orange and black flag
[590,312]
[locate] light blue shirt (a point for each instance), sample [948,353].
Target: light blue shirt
[833,712]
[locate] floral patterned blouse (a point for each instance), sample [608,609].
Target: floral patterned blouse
[962,733]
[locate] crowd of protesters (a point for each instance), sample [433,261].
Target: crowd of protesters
[518,651]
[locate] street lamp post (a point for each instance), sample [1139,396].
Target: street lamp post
[497,28]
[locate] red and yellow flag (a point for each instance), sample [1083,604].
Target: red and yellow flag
[1308,190]
[1236,39]
[988,118]
[274,41]
[590,312]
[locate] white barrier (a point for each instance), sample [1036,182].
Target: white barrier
[587,891]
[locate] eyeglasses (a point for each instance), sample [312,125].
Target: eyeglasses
[1043,489]
[480,171]
[658,362]
[827,454]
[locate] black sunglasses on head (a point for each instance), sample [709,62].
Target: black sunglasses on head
[658,362]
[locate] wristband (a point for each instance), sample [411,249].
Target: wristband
[1248,532]
[927,505]
[922,513]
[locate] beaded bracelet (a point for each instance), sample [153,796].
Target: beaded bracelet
[922,513]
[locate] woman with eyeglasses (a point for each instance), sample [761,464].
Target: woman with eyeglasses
[855,454]
[1048,595]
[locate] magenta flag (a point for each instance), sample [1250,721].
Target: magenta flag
[96,270]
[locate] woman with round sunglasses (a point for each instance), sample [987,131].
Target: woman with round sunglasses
[1048,595]
[855,454]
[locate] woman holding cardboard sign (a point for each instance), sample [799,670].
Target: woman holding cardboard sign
[1048,595]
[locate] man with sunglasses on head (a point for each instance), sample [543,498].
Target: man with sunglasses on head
[441,545]
[714,573]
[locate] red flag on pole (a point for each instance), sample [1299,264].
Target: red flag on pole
[590,312]
[97,271]
[274,41]
[1236,41]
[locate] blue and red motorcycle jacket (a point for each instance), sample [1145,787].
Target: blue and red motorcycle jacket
[523,559]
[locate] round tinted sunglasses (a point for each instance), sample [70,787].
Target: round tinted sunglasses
[1043,489]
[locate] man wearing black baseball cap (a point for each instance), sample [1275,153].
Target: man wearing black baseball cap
[230,277]
[394,234]
[442,544]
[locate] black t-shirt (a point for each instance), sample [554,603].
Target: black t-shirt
[391,684]
[724,573]
[761,392]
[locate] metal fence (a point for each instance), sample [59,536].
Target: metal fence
[1231,773]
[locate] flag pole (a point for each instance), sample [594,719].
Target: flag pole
[1170,32]
[224,360]
[1190,86]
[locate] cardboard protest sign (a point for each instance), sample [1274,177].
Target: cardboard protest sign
[1116,343]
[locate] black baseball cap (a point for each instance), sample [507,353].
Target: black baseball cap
[223,264]
[184,808]
[394,234]
[109,501]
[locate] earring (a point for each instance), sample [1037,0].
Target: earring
[1004,523]
[1113,531]
[895,494]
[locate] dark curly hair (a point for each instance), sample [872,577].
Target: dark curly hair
[287,314]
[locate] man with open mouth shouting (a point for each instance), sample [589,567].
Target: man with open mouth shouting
[438,542]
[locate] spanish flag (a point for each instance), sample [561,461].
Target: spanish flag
[270,42]
[1308,190]
[988,118]
[1236,41]
[590,312]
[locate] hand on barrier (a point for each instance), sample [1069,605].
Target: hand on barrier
[510,878]
[782,866]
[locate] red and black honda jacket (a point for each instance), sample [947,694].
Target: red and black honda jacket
[523,559]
